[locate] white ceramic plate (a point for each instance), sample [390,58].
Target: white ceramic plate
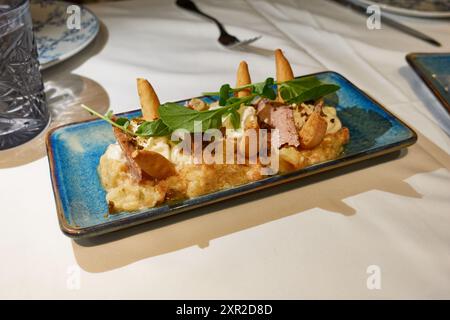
[55,41]
[415,8]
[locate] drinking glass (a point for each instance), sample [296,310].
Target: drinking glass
[23,109]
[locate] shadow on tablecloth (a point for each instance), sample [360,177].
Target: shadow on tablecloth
[326,190]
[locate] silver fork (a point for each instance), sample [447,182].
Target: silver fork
[225,38]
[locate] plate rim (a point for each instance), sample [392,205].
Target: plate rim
[411,59]
[144,216]
[406,12]
[70,54]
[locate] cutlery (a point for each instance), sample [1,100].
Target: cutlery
[358,7]
[225,38]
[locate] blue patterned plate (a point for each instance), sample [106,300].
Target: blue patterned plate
[55,41]
[74,151]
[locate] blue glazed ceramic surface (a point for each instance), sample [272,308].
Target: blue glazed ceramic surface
[434,68]
[55,41]
[74,151]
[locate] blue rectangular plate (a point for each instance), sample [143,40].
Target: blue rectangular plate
[74,151]
[434,69]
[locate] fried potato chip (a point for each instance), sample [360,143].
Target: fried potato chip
[290,159]
[313,131]
[154,164]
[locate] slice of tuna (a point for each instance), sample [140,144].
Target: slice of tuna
[263,110]
[127,146]
[282,118]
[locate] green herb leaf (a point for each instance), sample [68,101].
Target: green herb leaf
[107,117]
[291,91]
[122,121]
[304,89]
[155,128]
[224,94]
[265,89]
[235,119]
[176,116]
[305,82]
[233,100]
[314,93]
[109,114]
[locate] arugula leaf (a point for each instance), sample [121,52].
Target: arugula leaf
[296,90]
[314,93]
[214,122]
[235,119]
[292,88]
[109,114]
[176,116]
[155,128]
[306,82]
[233,100]
[121,121]
[304,89]
[224,94]
[265,89]
[108,118]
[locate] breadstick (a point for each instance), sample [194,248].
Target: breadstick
[149,100]
[313,131]
[242,79]
[284,70]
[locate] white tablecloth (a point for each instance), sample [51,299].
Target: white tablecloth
[312,239]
